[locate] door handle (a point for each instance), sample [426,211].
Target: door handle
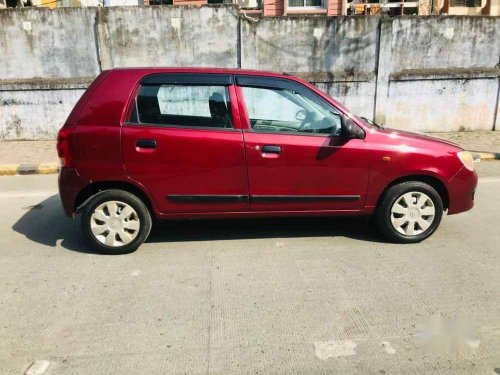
[146,143]
[271,149]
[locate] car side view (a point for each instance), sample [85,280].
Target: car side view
[194,143]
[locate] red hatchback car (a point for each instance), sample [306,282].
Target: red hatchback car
[193,143]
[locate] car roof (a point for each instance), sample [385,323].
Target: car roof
[144,71]
[206,70]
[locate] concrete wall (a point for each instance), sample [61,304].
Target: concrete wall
[47,59]
[168,36]
[338,54]
[27,114]
[417,73]
[438,73]
[46,43]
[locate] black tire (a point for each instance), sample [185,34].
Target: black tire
[133,201]
[391,195]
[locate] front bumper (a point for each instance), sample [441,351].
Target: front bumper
[70,184]
[461,191]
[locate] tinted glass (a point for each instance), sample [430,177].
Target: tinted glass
[183,105]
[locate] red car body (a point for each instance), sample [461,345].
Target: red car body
[313,175]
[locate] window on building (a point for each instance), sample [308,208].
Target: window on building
[306,3]
[465,3]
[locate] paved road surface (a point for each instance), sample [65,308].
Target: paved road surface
[302,296]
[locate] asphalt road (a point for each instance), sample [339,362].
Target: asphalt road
[301,296]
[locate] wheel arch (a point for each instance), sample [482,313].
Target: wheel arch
[96,187]
[435,182]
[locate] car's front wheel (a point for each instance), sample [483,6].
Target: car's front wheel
[409,212]
[116,222]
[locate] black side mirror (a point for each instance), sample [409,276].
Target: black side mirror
[350,130]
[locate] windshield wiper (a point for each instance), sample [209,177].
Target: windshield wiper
[371,122]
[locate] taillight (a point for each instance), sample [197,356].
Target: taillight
[63,145]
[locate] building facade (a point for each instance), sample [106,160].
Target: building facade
[282,8]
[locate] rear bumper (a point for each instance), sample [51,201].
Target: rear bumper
[461,190]
[70,184]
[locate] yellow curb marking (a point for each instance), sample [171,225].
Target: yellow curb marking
[486,156]
[8,169]
[48,168]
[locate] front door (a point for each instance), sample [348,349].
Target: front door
[181,144]
[297,157]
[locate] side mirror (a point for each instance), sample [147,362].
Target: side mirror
[301,115]
[350,130]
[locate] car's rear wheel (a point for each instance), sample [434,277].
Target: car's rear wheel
[116,222]
[409,212]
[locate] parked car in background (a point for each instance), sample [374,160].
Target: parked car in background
[174,143]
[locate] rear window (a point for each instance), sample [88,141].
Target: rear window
[183,105]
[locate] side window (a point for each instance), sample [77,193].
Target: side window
[280,110]
[183,105]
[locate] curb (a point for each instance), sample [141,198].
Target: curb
[24,169]
[50,168]
[486,155]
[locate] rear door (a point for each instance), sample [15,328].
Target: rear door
[297,158]
[182,143]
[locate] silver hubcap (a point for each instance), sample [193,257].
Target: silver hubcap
[115,223]
[412,213]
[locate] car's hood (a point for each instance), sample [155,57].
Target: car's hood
[417,136]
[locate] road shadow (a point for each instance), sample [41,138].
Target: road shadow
[236,229]
[46,224]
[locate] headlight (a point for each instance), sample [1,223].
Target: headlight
[466,159]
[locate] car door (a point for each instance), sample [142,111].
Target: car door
[182,144]
[296,155]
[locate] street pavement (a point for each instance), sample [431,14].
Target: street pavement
[280,296]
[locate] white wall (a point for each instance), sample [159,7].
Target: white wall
[419,73]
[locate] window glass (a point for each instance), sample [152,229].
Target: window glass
[276,110]
[180,105]
[305,3]
[465,3]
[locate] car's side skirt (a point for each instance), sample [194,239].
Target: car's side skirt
[203,198]
[303,198]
